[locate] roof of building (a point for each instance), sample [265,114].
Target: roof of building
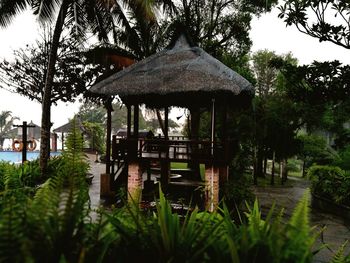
[180,75]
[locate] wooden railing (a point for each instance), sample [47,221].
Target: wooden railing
[173,149]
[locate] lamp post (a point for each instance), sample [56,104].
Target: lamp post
[23,129]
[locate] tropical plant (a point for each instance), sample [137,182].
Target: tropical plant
[95,135]
[330,182]
[6,123]
[55,226]
[48,227]
[79,14]
[339,256]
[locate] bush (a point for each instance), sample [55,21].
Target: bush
[294,165]
[330,182]
[237,191]
[344,159]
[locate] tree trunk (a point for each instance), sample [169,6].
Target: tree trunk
[260,162]
[255,173]
[160,120]
[46,100]
[109,108]
[304,169]
[273,169]
[194,134]
[284,171]
[265,164]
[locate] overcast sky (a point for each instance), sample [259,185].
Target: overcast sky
[268,32]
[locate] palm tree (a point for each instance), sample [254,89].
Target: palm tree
[98,15]
[6,123]
[78,13]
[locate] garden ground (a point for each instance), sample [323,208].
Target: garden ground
[337,230]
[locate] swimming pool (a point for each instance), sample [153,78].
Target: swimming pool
[16,157]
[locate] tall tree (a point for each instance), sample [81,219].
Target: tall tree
[77,13]
[221,25]
[271,107]
[6,123]
[26,74]
[98,15]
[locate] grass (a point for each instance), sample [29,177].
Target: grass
[175,165]
[267,179]
[295,174]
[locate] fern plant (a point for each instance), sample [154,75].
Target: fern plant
[339,256]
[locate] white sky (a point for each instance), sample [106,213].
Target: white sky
[268,32]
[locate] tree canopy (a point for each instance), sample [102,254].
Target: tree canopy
[26,74]
[327,20]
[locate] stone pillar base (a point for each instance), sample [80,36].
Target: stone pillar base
[134,182]
[211,187]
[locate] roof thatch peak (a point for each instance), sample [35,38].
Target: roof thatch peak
[173,75]
[182,42]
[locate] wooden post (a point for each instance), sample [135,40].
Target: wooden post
[24,127]
[166,123]
[224,123]
[62,140]
[212,132]
[128,133]
[24,141]
[54,142]
[136,120]
[194,131]
[109,108]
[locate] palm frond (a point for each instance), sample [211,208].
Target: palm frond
[9,9]
[46,10]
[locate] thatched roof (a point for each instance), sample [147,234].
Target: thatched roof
[66,128]
[142,133]
[178,76]
[34,132]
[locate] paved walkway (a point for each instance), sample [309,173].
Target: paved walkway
[337,230]
[96,169]
[335,234]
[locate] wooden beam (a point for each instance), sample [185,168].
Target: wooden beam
[166,123]
[136,120]
[212,132]
[224,122]
[109,108]
[128,133]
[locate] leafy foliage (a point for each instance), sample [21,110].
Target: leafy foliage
[339,256]
[26,74]
[55,225]
[313,17]
[330,182]
[221,25]
[95,136]
[6,122]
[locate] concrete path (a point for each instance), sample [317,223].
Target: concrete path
[94,191]
[337,230]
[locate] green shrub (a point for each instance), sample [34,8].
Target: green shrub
[330,182]
[344,159]
[237,191]
[294,165]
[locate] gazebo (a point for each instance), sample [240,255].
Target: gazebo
[67,128]
[181,75]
